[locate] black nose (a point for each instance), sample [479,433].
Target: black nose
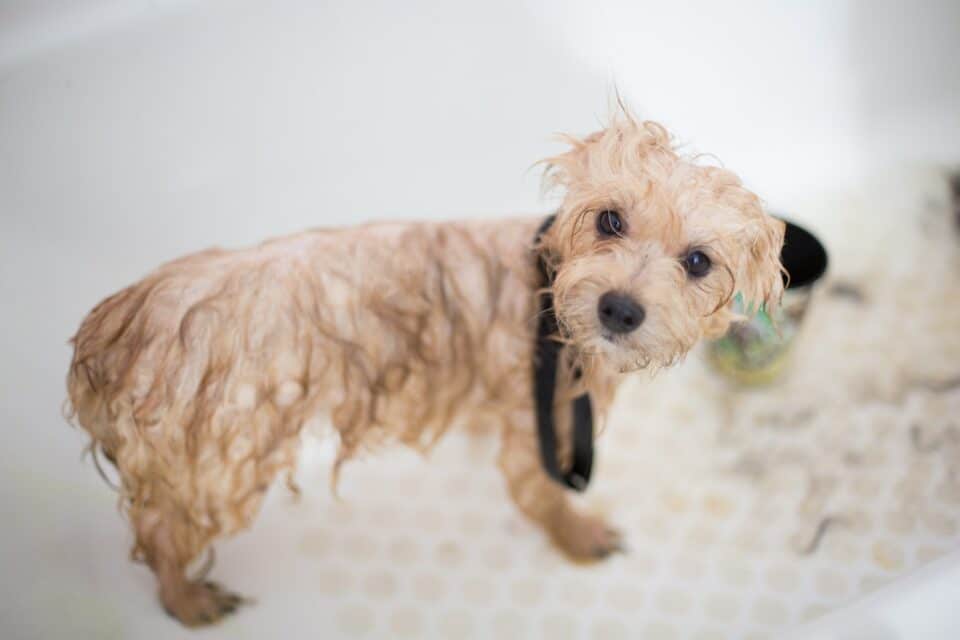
[619,313]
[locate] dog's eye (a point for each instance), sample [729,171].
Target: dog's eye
[697,264]
[609,223]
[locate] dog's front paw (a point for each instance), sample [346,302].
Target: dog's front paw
[585,538]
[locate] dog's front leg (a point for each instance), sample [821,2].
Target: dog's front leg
[581,536]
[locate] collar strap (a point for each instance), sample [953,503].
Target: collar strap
[546,357]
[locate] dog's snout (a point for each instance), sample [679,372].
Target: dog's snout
[619,312]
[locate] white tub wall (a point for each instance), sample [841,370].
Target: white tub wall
[834,87]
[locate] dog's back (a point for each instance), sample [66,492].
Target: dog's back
[202,374]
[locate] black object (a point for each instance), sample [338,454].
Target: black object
[803,257]
[546,356]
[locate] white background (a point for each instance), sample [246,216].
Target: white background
[132,132]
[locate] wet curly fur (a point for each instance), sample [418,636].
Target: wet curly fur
[197,380]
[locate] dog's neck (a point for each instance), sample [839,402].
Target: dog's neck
[546,257]
[548,263]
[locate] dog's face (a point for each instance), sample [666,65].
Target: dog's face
[650,248]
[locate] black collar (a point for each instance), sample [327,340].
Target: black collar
[545,359]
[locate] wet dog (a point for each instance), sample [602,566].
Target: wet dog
[196,381]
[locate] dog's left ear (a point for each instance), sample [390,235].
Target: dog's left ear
[760,277]
[571,165]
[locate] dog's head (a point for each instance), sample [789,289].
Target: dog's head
[649,248]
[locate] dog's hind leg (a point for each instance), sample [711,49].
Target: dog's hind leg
[580,536]
[167,541]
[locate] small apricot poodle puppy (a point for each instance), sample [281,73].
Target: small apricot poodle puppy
[196,381]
